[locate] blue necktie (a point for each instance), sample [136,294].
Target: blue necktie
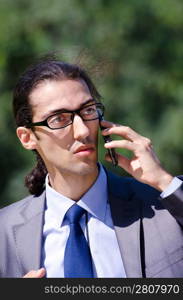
[77,258]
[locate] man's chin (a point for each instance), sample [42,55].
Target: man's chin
[84,167]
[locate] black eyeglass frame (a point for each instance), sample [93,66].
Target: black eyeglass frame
[73,112]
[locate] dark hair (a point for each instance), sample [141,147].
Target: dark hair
[44,70]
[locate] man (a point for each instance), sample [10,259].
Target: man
[125,228]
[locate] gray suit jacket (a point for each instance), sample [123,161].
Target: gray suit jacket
[150,237]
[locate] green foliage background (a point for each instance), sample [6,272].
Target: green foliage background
[134,50]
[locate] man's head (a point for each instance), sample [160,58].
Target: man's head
[42,91]
[48,70]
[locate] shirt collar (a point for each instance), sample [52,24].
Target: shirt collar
[94,200]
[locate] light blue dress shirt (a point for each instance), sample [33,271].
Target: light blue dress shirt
[99,231]
[172,187]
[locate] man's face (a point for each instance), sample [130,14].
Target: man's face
[69,150]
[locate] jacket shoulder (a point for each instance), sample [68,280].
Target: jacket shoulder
[17,204]
[11,210]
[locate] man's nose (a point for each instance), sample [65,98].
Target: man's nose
[80,129]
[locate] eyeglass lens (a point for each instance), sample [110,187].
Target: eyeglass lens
[63,119]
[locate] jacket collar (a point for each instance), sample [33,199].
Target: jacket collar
[28,233]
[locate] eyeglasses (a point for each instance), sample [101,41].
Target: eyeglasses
[64,118]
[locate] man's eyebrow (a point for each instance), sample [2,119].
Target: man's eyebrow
[52,112]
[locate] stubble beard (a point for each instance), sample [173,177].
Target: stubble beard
[82,168]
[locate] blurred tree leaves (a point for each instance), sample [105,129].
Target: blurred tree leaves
[133,50]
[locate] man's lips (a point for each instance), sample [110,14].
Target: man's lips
[84,149]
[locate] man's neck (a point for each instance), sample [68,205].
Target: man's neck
[73,186]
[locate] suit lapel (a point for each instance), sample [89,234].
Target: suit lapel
[126,219]
[28,234]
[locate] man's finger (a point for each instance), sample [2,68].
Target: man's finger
[123,162]
[121,144]
[35,273]
[123,131]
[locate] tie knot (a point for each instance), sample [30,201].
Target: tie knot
[74,213]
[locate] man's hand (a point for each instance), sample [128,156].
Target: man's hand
[35,274]
[144,165]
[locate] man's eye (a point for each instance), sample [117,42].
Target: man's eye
[89,110]
[59,119]
[56,120]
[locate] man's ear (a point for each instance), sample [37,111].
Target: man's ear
[27,138]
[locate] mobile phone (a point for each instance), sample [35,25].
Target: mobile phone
[111,152]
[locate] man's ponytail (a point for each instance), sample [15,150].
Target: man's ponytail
[35,180]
